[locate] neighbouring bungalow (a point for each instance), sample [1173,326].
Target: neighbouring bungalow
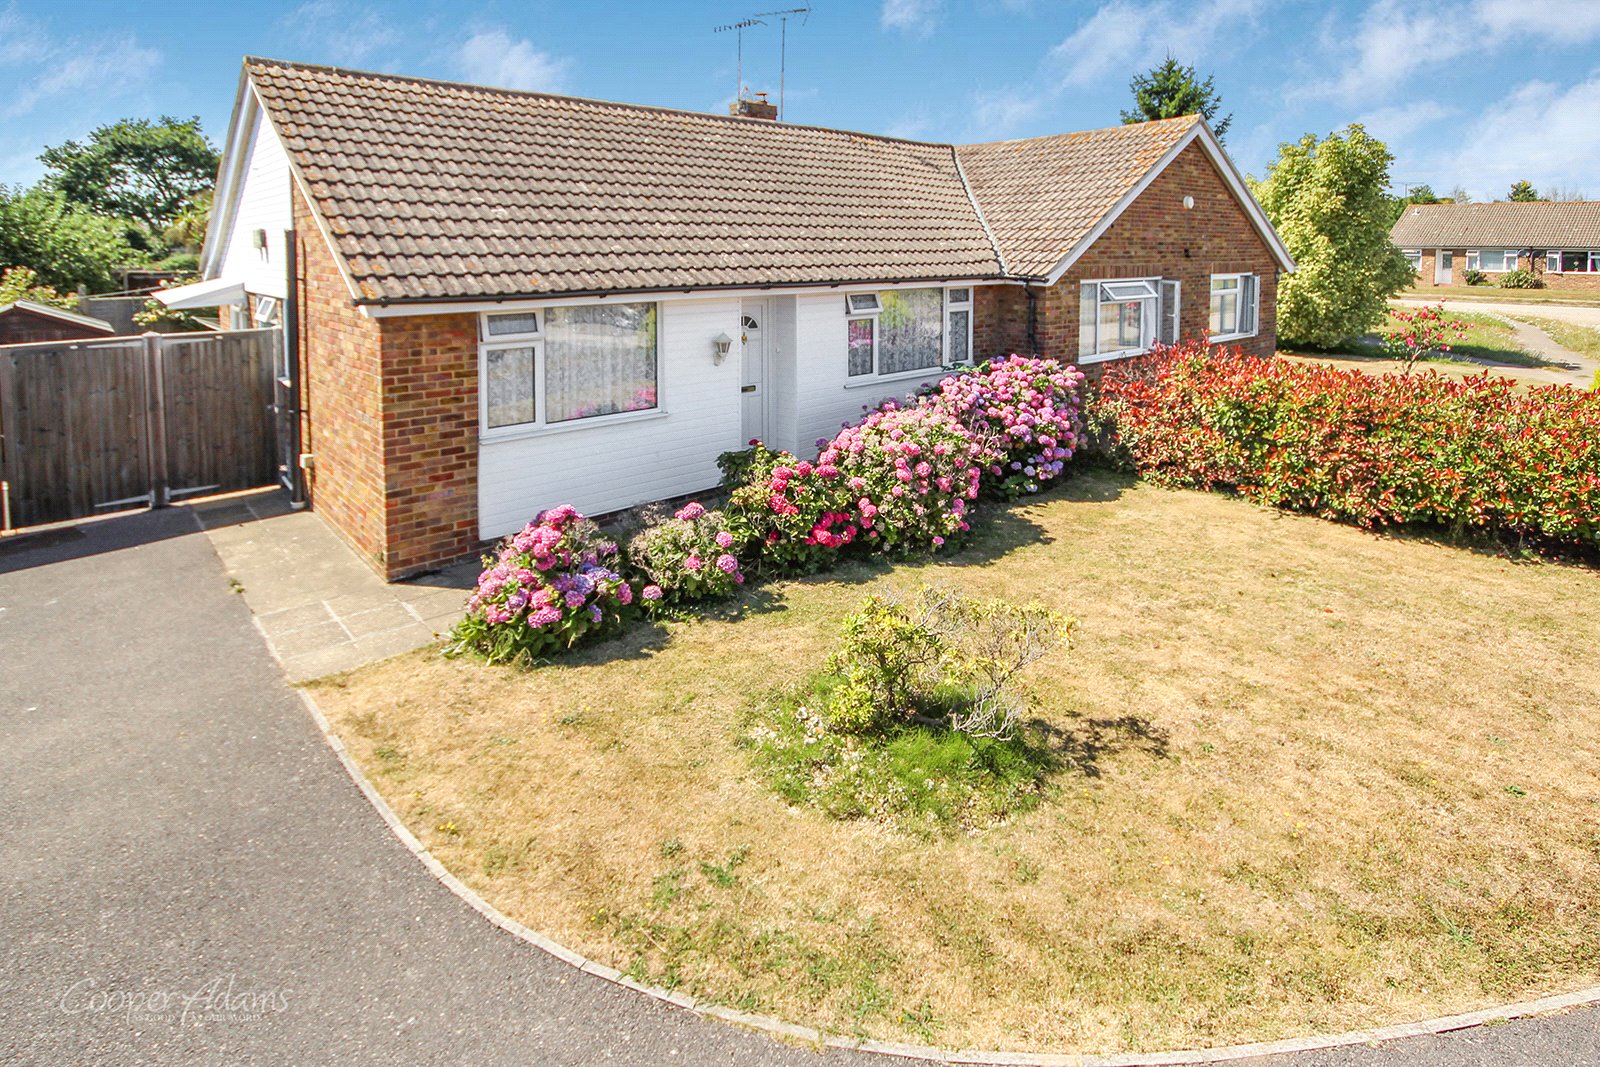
[499,301]
[25,322]
[1557,240]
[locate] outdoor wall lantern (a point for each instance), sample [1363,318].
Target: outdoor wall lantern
[1188,203]
[720,345]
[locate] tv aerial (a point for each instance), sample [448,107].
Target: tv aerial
[759,19]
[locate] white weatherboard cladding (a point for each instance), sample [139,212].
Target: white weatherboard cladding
[613,465]
[263,204]
[822,403]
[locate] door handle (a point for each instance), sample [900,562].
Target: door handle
[747,389]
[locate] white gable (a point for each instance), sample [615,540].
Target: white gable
[253,203]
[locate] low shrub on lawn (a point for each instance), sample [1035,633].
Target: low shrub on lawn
[687,557]
[1396,449]
[916,720]
[545,589]
[1520,279]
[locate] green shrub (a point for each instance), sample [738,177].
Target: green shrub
[1520,279]
[1474,277]
[689,556]
[917,777]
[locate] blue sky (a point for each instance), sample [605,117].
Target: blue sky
[1475,93]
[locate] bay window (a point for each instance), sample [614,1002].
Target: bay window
[1234,312]
[896,332]
[559,365]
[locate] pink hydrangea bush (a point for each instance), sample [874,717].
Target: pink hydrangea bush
[1029,411]
[690,556]
[545,589]
[795,516]
[911,473]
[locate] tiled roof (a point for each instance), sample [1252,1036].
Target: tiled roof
[1042,195]
[1539,224]
[435,190]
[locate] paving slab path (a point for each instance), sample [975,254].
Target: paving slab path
[191,877]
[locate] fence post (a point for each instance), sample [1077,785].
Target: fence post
[156,420]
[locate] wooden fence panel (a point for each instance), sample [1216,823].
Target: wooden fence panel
[217,396]
[73,420]
[96,426]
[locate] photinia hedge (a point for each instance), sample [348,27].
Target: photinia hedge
[1373,450]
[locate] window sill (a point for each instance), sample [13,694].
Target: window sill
[1107,357]
[518,433]
[1223,338]
[925,374]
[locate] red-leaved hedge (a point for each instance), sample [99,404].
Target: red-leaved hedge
[1374,450]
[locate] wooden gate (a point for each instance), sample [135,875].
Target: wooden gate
[88,427]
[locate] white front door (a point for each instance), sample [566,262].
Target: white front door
[1443,261]
[753,359]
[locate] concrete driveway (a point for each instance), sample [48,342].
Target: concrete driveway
[190,876]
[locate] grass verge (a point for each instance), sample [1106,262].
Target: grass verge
[1310,779]
[1494,294]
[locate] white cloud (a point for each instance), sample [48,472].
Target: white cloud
[916,17]
[53,67]
[347,33]
[1543,132]
[1395,39]
[1125,36]
[1402,120]
[493,57]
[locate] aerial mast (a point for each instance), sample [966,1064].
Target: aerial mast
[738,28]
[783,44]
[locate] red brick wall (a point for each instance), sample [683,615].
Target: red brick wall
[999,321]
[430,440]
[341,398]
[1572,282]
[1156,237]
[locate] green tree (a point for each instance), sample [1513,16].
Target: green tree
[1416,194]
[66,245]
[187,230]
[20,283]
[1327,200]
[135,169]
[1172,90]
[1524,193]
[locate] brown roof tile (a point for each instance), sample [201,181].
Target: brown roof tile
[1538,224]
[1042,195]
[434,189]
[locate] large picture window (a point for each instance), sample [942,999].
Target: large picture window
[901,332]
[1233,306]
[560,365]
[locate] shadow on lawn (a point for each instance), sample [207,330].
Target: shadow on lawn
[1082,745]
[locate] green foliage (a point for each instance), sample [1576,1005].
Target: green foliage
[1416,194]
[1172,90]
[1520,279]
[1326,198]
[187,230]
[1523,192]
[159,318]
[20,283]
[918,777]
[135,169]
[1474,277]
[63,243]
[941,657]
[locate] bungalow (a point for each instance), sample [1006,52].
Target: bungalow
[24,322]
[1557,240]
[497,301]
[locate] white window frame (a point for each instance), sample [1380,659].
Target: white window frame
[1255,306]
[853,314]
[1413,257]
[535,339]
[1552,261]
[1149,324]
[264,312]
[1472,259]
[1591,260]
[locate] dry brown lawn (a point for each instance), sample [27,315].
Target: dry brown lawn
[1318,779]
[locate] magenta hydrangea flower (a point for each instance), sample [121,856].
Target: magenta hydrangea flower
[724,539]
[651,592]
[690,511]
[544,616]
[693,562]
[727,564]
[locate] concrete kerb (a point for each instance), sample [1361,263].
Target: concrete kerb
[992,1058]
